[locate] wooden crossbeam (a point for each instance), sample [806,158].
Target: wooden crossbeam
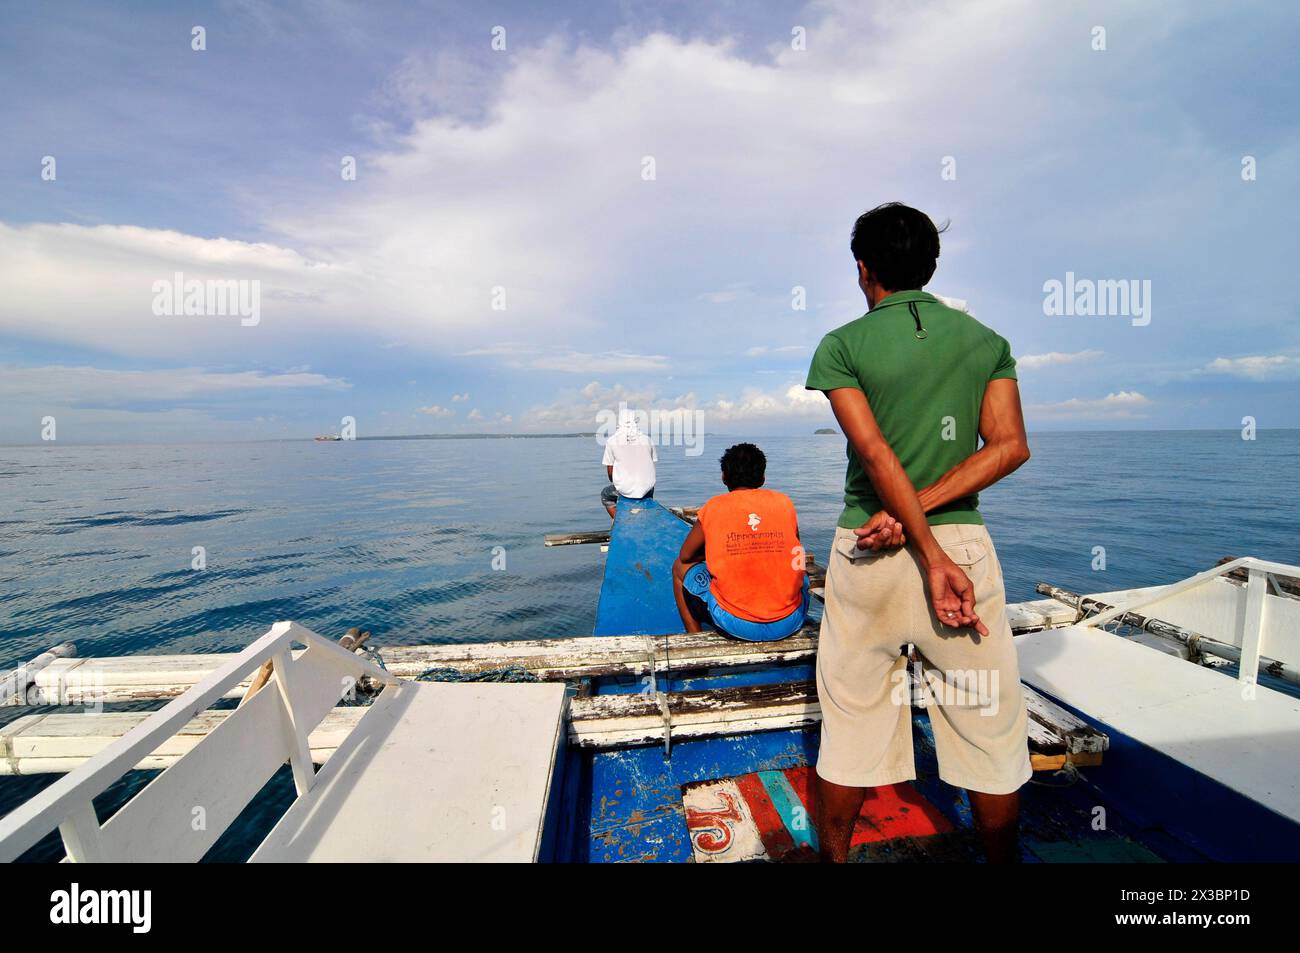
[92,681]
[59,742]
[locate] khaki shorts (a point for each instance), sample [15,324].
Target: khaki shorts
[876,603]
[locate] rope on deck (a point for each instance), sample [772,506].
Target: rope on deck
[511,673]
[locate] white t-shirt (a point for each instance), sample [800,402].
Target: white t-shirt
[633,458]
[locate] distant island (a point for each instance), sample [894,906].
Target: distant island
[827,430]
[478,436]
[333,438]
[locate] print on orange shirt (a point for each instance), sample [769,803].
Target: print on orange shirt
[751,546]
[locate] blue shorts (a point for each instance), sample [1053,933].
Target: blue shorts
[609,495]
[702,602]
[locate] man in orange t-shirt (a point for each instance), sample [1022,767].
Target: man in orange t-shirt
[741,567]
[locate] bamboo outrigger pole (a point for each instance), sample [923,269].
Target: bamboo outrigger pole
[1193,641]
[14,684]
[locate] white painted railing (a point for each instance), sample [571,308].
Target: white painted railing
[1250,615]
[180,814]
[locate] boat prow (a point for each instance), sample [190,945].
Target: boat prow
[636,589]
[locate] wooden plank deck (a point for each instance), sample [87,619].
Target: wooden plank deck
[688,513]
[86,681]
[89,681]
[59,742]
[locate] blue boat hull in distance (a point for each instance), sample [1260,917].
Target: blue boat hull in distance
[626,804]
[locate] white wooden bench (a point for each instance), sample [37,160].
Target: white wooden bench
[432,771]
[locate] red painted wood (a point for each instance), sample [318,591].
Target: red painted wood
[771,828]
[896,810]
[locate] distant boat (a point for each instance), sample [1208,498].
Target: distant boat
[328,438]
[826,431]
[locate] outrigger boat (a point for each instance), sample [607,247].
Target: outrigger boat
[642,743]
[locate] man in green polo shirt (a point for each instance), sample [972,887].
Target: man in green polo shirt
[915,386]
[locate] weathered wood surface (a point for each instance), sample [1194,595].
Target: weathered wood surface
[1040,614]
[90,681]
[607,721]
[613,721]
[576,539]
[1290,585]
[143,677]
[40,744]
[1057,736]
[816,573]
[59,742]
[688,513]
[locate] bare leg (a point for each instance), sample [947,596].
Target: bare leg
[688,620]
[995,819]
[838,808]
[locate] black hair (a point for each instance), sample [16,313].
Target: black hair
[743,467]
[898,244]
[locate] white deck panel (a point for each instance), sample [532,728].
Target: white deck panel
[434,772]
[1195,715]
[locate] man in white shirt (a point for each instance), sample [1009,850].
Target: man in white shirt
[629,461]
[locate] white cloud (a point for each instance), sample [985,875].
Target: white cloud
[753,404]
[1256,367]
[726,295]
[570,361]
[93,286]
[581,410]
[436,411]
[1119,405]
[453,208]
[95,386]
[459,398]
[761,350]
[1056,358]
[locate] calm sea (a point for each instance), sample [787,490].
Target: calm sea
[97,543]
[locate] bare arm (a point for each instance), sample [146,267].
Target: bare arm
[692,547]
[951,594]
[609,472]
[692,552]
[883,469]
[1005,449]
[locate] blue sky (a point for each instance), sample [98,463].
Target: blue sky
[517,177]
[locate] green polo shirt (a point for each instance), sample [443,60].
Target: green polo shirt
[925,388]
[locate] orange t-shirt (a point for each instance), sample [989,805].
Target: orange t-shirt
[751,546]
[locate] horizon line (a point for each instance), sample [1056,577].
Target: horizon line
[572,434]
